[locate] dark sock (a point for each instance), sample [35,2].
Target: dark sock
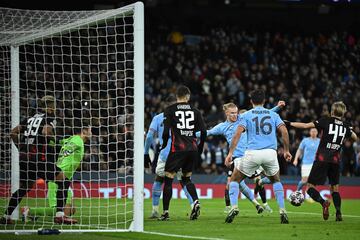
[167,193]
[315,195]
[16,198]
[192,190]
[262,194]
[61,194]
[337,201]
[227,197]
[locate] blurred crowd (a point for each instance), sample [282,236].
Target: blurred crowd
[309,72]
[223,65]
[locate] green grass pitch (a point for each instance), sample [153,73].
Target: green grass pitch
[305,222]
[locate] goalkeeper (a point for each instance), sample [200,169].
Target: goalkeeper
[70,156]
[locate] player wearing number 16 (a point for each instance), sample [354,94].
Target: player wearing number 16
[327,158]
[183,120]
[260,125]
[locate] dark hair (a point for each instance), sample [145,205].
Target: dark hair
[257,96]
[170,99]
[182,91]
[80,124]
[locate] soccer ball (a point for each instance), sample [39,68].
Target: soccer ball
[296,198]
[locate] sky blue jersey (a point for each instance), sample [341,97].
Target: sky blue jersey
[260,125]
[157,128]
[227,129]
[309,147]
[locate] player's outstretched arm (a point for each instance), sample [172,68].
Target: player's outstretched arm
[234,142]
[302,125]
[285,137]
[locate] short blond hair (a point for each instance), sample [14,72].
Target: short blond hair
[226,106]
[48,102]
[338,109]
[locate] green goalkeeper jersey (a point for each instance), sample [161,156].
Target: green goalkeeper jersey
[71,154]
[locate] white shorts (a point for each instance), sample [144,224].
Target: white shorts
[254,159]
[160,170]
[305,170]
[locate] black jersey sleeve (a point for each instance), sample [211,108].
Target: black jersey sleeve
[200,126]
[320,124]
[348,131]
[167,125]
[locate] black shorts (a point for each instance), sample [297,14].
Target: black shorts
[31,171]
[322,170]
[230,169]
[183,160]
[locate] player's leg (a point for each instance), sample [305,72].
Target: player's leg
[33,212]
[318,174]
[179,176]
[157,188]
[226,196]
[27,180]
[248,193]
[334,175]
[171,167]
[70,208]
[301,183]
[305,172]
[271,168]
[234,187]
[50,172]
[187,167]
[260,189]
[15,199]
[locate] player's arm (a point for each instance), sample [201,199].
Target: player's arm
[203,132]
[285,137]
[298,155]
[353,136]
[150,136]
[301,125]
[279,106]
[167,125]
[216,130]
[15,134]
[234,141]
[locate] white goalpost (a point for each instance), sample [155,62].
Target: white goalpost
[92,63]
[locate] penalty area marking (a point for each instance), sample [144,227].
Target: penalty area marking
[181,236]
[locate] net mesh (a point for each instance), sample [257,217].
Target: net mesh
[84,59]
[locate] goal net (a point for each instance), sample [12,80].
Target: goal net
[92,63]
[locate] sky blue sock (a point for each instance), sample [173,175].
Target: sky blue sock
[265,180]
[156,193]
[300,185]
[279,194]
[188,195]
[246,191]
[234,193]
